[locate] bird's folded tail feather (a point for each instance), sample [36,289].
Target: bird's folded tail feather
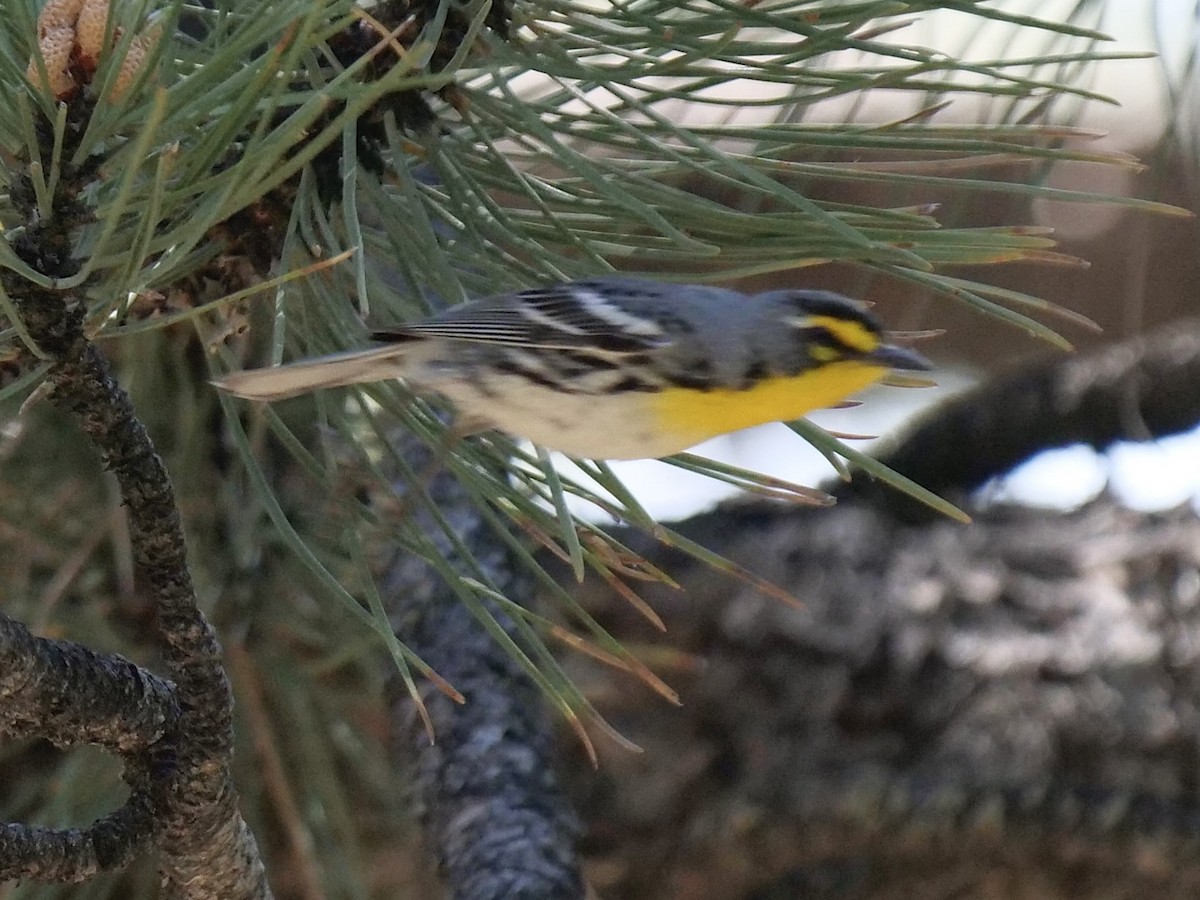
[337,370]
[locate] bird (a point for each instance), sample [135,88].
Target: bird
[617,367]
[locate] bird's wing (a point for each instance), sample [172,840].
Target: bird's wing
[578,316]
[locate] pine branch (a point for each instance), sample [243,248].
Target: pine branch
[494,813]
[206,848]
[67,694]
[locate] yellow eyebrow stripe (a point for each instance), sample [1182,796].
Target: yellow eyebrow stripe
[848,332]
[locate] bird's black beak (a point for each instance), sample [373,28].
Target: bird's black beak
[898,358]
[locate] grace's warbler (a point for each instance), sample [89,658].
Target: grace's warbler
[618,368]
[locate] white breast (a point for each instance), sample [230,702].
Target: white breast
[615,426]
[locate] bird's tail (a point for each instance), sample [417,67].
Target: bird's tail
[281,382]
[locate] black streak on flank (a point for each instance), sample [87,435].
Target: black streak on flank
[630,383]
[580,362]
[691,381]
[510,367]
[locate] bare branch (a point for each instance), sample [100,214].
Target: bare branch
[68,694]
[206,850]
[494,813]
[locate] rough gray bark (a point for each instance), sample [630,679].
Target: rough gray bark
[494,814]
[68,695]
[1008,709]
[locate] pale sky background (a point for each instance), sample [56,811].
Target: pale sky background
[1144,476]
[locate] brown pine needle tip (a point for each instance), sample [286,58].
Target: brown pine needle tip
[443,686]
[547,541]
[627,663]
[652,681]
[631,597]
[426,721]
[319,266]
[587,648]
[625,562]
[542,538]
[581,733]
[729,567]
[782,489]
